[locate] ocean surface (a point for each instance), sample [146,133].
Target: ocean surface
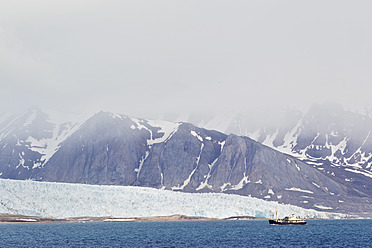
[317,233]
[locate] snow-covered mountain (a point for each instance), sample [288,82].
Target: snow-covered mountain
[112,149]
[28,140]
[336,141]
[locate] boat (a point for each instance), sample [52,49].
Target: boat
[288,220]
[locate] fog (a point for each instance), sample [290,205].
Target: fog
[144,58]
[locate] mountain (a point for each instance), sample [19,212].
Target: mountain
[112,149]
[28,141]
[336,141]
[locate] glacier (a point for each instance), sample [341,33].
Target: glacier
[62,200]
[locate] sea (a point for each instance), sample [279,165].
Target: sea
[257,233]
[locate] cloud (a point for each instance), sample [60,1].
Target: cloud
[139,57]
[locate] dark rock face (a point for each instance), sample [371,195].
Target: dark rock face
[183,160]
[119,150]
[104,150]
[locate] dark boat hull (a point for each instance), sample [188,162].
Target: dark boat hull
[274,222]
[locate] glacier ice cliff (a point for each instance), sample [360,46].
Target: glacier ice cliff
[61,200]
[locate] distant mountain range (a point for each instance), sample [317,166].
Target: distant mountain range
[321,171]
[336,141]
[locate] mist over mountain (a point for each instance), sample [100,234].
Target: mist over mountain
[331,138]
[113,149]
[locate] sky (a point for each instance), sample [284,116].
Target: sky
[142,57]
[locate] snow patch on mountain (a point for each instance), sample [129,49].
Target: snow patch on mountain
[205,183]
[300,190]
[241,184]
[322,207]
[166,127]
[269,141]
[47,147]
[364,173]
[193,133]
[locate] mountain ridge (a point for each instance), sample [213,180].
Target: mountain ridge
[332,139]
[114,149]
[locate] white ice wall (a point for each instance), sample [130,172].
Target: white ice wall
[60,200]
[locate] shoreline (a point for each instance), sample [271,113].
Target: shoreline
[20,219]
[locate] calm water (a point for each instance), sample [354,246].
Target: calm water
[317,233]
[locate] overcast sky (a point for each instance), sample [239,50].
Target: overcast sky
[139,57]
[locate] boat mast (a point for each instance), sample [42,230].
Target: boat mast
[276,214]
